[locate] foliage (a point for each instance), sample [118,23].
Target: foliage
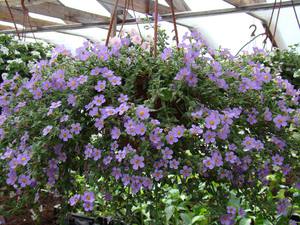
[18,56]
[182,138]
[287,62]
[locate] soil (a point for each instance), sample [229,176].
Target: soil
[24,216]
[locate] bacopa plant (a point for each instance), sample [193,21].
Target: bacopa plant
[19,56]
[112,129]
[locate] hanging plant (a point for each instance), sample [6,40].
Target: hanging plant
[19,57]
[114,130]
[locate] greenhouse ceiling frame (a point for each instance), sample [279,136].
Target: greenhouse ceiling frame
[77,19]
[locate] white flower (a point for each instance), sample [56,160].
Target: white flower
[4,76]
[36,53]
[4,50]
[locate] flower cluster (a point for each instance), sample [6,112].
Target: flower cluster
[117,121]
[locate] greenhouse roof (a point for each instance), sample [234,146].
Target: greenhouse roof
[227,23]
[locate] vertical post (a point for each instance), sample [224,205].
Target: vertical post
[112,24]
[155,26]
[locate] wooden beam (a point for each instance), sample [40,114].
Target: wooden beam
[2,27]
[179,5]
[65,13]
[139,6]
[17,3]
[19,18]
[239,3]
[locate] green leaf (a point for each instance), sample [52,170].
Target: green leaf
[187,220]
[245,221]
[197,219]
[169,212]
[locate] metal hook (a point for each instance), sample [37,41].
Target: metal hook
[255,28]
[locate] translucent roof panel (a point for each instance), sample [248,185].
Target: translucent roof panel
[148,31]
[69,41]
[288,32]
[94,34]
[91,6]
[203,5]
[228,31]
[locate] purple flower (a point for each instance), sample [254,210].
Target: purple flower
[142,112]
[64,118]
[75,128]
[82,79]
[280,121]
[88,206]
[231,210]
[55,105]
[37,94]
[186,171]
[167,53]
[209,136]
[167,153]
[123,98]
[11,177]
[95,71]
[183,73]
[73,83]
[178,131]
[71,100]
[241,212]
[217,158]
[230,157]
[23,159]
[140,129]
[99,100]
[267,115]
[24,180]
[157,175]
[174,164]
[115,80]
[209,163]
[88,196]
[122,108]
[171,138]
[282,206]
[74,199]
[99,123]
[277,160]
[100,85]
[46,85]
[108,111]
[196,130]
[47,129]
[115,133]
[96,154]
[137,162]
[227,219]
[249,143]
[65,135]
[82,53]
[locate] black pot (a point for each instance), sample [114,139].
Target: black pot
[78,219]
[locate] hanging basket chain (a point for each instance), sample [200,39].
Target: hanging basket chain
[13,19]
[277,18]
[112,22]
[125,13]
[174,22]
[26,16]
[137,24]
[155,26]
[296,15]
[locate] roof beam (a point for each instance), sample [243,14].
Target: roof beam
[239,3]
[64,13]
[179,5]
[243,9]
[19,18]
[141,6]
